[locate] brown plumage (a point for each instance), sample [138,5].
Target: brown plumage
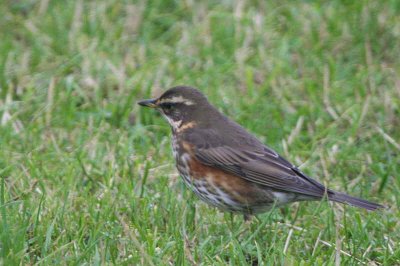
[228,167]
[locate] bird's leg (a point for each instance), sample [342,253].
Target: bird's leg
[247,218]
[284,212]
[247,223]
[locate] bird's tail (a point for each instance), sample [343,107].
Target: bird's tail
[361,203]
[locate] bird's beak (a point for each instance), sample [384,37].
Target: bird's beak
[152,103]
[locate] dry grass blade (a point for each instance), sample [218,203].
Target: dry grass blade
[388,138]
[128,232]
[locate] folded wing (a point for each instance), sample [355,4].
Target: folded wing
[254,162]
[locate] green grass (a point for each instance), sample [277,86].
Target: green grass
[87,177]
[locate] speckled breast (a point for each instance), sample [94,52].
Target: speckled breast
[218,188]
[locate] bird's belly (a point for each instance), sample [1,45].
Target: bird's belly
[223,190]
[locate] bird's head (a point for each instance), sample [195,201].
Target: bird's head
[180,105]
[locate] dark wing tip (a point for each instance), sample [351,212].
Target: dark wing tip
[361,203]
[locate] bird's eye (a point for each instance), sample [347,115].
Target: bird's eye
[167,106]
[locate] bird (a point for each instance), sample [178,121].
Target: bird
[228,167]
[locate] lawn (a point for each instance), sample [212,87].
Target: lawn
[88,177]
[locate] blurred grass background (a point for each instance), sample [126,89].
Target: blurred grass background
[86,177]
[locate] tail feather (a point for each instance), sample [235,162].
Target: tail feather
[361,203]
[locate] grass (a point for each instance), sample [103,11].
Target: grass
[87,177]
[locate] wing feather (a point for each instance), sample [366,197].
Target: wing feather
[257,164]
